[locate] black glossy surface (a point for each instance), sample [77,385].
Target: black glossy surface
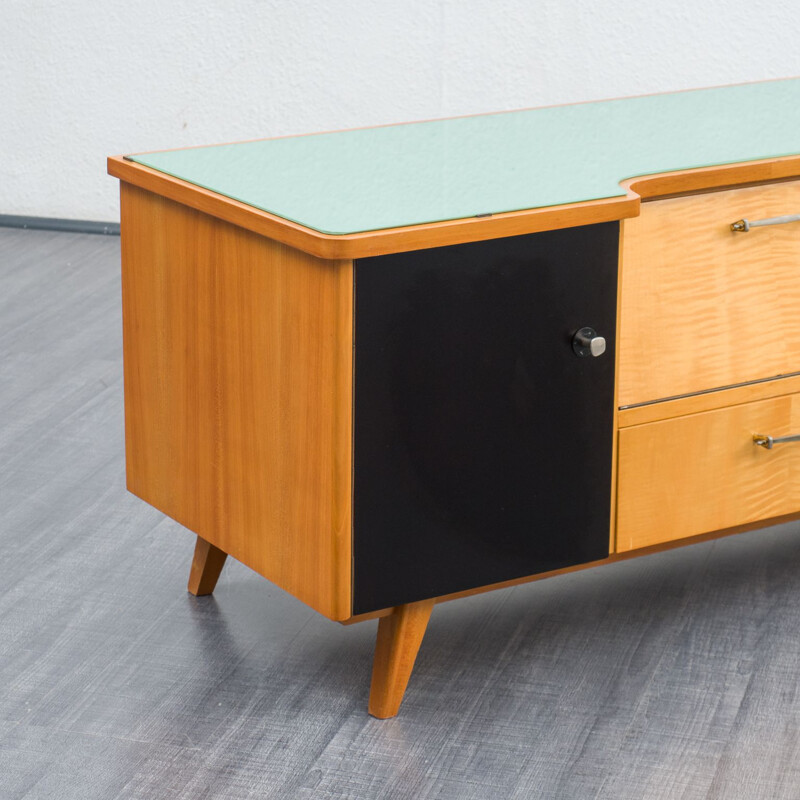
[482,442]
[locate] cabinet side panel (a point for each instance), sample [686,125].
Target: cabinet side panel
[238,393]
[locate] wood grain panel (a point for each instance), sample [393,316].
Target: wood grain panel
[702,306]
[612,524]
[700,473]
[707,401]
[238,393]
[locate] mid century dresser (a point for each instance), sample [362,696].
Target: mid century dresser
[390,367]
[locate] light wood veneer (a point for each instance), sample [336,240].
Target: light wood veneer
[702,472]
[707,401]
[703,306]
[238,393]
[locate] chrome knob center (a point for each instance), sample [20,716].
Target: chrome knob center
[586,342]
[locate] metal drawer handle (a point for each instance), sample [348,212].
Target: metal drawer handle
[743,225]
[768,441]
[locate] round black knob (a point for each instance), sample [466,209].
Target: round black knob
[586,342]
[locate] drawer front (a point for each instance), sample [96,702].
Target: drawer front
[703,472]
[702,306]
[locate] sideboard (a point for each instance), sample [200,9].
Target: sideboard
[390,367]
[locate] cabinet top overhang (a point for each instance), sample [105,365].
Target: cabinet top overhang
[399,187]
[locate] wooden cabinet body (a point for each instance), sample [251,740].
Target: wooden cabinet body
[429,423]
[381,419]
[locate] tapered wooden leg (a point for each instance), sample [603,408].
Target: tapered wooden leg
[206,567]
[399,637]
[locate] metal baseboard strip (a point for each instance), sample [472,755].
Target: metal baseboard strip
[56,224]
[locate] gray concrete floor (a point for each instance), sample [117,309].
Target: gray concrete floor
[671,676]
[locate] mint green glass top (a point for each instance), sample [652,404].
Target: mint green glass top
[399,175]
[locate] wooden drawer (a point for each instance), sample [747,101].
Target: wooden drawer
[703,307]
[702,472]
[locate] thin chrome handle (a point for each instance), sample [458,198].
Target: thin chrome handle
[743,225]
[768,441]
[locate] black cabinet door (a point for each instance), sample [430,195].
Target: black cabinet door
[482,442]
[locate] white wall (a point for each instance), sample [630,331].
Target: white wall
[82,79]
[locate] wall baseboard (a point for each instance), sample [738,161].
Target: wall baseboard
[56,224]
